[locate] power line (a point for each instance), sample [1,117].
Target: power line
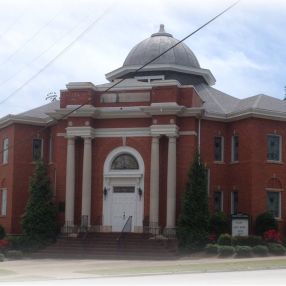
[43,52]
[42,129]
[56,57]
[11,56]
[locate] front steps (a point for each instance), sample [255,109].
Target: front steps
[106,246]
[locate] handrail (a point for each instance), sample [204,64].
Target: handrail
[126,228]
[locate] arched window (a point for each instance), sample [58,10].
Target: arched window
[124,162]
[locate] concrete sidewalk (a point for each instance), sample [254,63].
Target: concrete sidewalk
[46,269]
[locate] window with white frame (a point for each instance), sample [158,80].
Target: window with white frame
[274,203]
[37,149]
[273,147]
[5,150]
[3,201]
[218,201]
[234,148]
[234,202]
[218,148]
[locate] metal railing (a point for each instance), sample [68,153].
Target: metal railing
[126,229]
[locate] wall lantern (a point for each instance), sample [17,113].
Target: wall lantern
[140,192]
[105,192]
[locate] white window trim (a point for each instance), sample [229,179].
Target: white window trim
[279,191]
[150,78]
[232,148]
[3,206]
[280,148]
[5,157]
[222,150]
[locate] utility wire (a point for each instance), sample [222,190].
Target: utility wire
[42,129]
[43,52]
[56,57]
[11,56]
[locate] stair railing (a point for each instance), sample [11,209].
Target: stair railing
[126,228]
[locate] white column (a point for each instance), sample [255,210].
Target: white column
[171,184]
[70,181]
[86,179]
[154,183]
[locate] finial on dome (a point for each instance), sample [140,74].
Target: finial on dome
[162,28]
[161,32]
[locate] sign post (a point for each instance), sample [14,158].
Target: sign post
[240,225]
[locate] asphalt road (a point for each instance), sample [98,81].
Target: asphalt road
[261,277]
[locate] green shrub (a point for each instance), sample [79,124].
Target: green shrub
[260,250]
[224,239]
[276,248]
[264,222]
[250,240]
[24,243]
[192,240]
[14,254]
[2,257]
[2,232]
[219,223]
[226,250]
[243,251]
[211,249]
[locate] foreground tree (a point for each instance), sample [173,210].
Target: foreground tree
[193,227]
[39,219]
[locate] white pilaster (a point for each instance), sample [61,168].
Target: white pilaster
[171,184]
[86,179]
[154,183]
[70,182]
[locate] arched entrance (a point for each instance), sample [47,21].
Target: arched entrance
[123,188]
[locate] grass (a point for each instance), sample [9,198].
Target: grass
[4,272]
[191,268]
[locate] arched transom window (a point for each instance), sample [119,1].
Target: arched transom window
[124,162]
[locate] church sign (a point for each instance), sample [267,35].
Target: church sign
[240,225]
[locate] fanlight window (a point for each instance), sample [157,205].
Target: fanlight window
[124,162]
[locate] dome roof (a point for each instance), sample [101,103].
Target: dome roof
[158,43]
[177,61]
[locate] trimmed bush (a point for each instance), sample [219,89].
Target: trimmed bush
[219,223]
[24,243]
[276,248]
[2,232]
[211,249]
[250,240]
[260,250]
[14,254]
[243,251]
[224,239]
[2,257]
[265,222]
[226,250]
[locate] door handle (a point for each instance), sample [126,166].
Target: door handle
[123,215]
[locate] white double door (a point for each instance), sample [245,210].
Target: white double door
[122,207]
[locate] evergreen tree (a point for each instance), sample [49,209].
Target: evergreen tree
[193,227]
[39,219]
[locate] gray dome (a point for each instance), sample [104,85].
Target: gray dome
[159,42]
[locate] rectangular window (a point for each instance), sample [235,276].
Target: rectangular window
[5,150]
[218,201]
[234,148]
[37,149]
[274,203]
[3,202]
[218,148]
[274,147]
[234,202]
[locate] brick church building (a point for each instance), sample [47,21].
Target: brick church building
[127,150]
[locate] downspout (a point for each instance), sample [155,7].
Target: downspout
[199,136]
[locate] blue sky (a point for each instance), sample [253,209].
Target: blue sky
[245,49]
